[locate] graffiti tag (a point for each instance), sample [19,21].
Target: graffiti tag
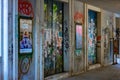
[25,8]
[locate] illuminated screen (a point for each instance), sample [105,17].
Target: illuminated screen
[78,36]
[25,36]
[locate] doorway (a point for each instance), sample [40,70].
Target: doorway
[56,30]
[92,37]
[116,45]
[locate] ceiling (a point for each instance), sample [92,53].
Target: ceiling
[110,5]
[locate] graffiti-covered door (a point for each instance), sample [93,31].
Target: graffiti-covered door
[92,33]
[53,44]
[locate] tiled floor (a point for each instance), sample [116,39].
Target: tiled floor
[104,73]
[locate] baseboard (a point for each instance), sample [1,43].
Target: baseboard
[57,76]
[94,66]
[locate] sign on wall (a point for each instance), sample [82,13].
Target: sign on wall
[78,36]
[25,35]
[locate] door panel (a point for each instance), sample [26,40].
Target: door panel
[53,37]
[92,33]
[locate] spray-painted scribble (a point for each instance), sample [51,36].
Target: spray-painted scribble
[106,42]
[25,8]
[78,17]
[24,66]
[66,37]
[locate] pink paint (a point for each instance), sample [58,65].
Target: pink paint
[79,29]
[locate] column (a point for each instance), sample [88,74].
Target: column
[5,39]
[15,39]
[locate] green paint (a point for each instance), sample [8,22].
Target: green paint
[45,7]
[78,52]
[55,8]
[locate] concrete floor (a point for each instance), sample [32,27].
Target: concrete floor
[104,73]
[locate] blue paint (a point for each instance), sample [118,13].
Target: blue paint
[92,33]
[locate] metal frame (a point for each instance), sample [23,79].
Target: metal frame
[27,18]
[87,7]
[57,1]
[75,35]
[5,39]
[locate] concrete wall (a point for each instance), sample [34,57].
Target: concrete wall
[66,37]
[107,24]
[106,21]
[10,44]
[78,58]
[35,72]
[30,74]
[10,40]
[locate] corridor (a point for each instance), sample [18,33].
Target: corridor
[57,39]
[104,73]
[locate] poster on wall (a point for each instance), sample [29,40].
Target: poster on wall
[25,35]
[78,36]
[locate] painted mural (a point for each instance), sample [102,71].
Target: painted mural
[53,38]
[25,67]
[106,33]
[92,33]
[25,36]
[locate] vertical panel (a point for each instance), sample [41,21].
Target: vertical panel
[36,40]
[15,39]
[53,37]
[0,26]
[5,39]
[66,37]
[1,40]
[85,36]
[10,39]
[70,24]
[41,41]
[78,21]
[107,32]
